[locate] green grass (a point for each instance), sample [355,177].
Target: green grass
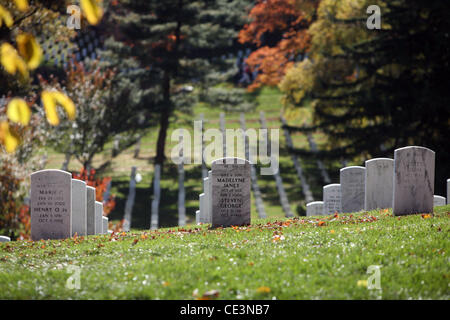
[317,258]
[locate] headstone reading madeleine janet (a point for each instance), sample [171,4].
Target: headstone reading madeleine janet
[51,204]
[332,199]
[379,183]
[79,216]
[230,192]
[314,208]
[352,188]
[413,180]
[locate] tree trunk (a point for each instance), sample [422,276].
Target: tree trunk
[163,121]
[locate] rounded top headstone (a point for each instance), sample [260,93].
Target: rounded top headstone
[412,147]
[332,185]
[230,160]
[379,159]
[352,167]
[51,170]
[313,203]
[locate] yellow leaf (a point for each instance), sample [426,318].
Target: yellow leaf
[29,49]
[6,17]
[22,5]
[18,111]
[11,60]
[8,137]
[362,283]
[92,11]
[263,290]
[50,99]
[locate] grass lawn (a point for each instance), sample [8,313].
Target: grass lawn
[301,258]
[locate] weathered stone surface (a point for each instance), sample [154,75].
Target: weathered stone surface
[332,199]
[202,204]
[5,239]
[105,225]
[230,192]
[98,217]
[207,192]
[197,216]
[79,216]
[90,210]
[51,204]
[438,201]
[379,191]
[314,208]
[413,180]
[352,188]
[448,191]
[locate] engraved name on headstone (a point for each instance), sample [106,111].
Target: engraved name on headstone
[379,183]
[352,188]
[332,199]
[51,204]
[413,180]
[230,192]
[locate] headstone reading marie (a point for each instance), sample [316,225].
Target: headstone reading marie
[98,217]
[332,199]
[90,210]
[51,204]
[230,192]
[379,183]
[314,208]
[438,201]
[413,180]
[352,188]
[79,222]
[5,239]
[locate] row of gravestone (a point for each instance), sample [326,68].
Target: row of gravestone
[62,207]
[405,183]
[225,200]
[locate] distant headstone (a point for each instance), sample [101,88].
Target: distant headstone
[51,204]
[202,207]
[413,180]
[230,192]
[105,225]
[98,217]
[379,183]
[332,199]
[79,216]
[5,239]
[352,188]
[207,191]
[438,201]
[314,208]
[90,210]
[448,191]
[197,216]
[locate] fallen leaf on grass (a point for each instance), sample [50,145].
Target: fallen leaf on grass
[209,295]
[362,283]
[263,289]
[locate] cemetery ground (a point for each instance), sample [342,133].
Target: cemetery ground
[324,257]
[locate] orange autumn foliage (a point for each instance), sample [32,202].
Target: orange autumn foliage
[290,20]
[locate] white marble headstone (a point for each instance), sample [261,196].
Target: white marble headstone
[207,192]
[413,180]
[79,216]
[197,216]
[105,225]
[352,188]
[448,191]
[438,201]
[51,204]
[90,210]
[230,192]
[314,208]
[332,199]
[5,239]
[379,184]
[98,217]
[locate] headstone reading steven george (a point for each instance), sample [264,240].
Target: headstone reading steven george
[79,216]
[332,199]
[98,217]
[105,225]
[352,188]
[438,201]
[5,239]
[314,208]
[51,204]
[379,183]
[230,192]
[413,180]
[90,210]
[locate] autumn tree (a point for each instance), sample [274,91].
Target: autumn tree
[279,30]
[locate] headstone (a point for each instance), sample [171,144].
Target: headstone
[202,204]
[51,204]
[352,188]
[105,225]
[209,198]
[79,216]
[98,217]
[5,239]
[207,193]
[314,208]
[154,219]
[413,180]
[332,199]
[181,188]
[438,201]
[90,210]
[379,184]
[448,191]
[197,216]
[230,192]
